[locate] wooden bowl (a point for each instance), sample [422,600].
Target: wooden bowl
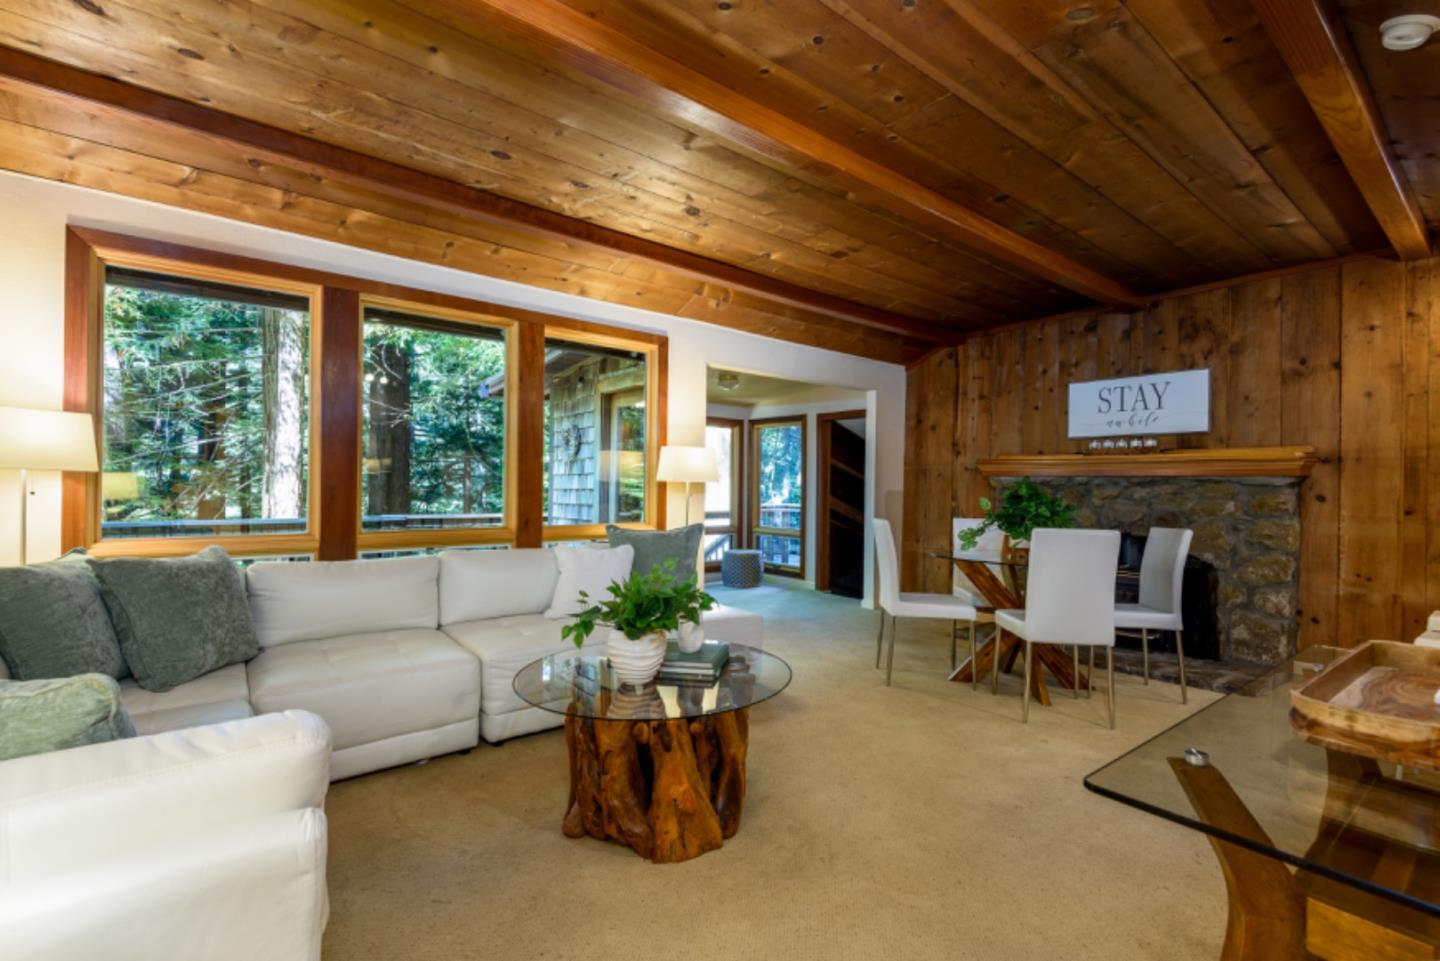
[1378,701]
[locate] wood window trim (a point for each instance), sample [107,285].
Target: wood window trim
[754,531]
[739,440]
[656,351]
[409,539]
[336,395]
[822,492]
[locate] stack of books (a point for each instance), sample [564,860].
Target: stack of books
[702,667]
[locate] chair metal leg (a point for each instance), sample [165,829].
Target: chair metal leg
[880,639]
[1075,670]
[890,661]
[995,667]
[975,665]
[1025,696]
[1145,654]
[1090,676]
[1180,653]
[954,640]
[1110,682]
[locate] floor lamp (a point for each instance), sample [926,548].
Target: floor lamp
[687,465]
[44,440]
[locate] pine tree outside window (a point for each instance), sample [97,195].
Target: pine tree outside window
[434,429]
[205,425]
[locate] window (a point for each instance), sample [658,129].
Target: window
[597,435]
[434,429]
[280,412]
[778,475]
[722,498]
[205,407]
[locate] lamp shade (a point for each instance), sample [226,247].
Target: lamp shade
[46,440]
[687,465]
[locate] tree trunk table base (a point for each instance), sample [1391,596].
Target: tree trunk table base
[668,789]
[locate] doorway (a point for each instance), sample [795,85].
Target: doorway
[840,509]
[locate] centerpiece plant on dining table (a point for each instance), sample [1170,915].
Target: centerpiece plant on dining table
[641,612]
[1024,507]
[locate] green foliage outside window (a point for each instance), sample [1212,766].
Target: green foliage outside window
[434,426]
[205,413]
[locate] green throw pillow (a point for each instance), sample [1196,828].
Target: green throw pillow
[59,713]
[179,617]
[654,548]
[53,622]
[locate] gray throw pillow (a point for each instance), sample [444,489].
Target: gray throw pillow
[53,622]
[177,617]
[654,548]
[59,713]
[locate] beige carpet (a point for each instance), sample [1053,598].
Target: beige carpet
[917,821]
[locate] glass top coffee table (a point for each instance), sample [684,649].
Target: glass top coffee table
[1325,853]
[658,767]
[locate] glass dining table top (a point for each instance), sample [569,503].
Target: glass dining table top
[1338,817]
[586,686]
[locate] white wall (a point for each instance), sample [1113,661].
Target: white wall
[32,229]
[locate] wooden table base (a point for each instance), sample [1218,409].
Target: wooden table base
[1048,657]
[670,790]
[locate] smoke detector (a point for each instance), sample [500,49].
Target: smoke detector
[1408,32]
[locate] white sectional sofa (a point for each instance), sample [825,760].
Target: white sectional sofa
[207,842]
[404,659]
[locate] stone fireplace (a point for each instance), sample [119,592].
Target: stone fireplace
[1244,509]
[1246,529]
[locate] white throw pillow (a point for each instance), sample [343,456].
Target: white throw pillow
[590,570]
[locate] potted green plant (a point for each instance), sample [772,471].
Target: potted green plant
[641,612]
[1024,507]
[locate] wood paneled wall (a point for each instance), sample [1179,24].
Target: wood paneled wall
[1345,358]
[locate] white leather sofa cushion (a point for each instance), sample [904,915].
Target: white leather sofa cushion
[244,891]
[204,843]
[506,644]
[305,601]
[369,687]
[479,585]
[59,811]
[222,695]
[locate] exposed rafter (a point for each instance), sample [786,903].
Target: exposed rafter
[696,99]
[1317,49]
[25,73]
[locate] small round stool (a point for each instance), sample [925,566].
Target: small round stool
[741,568]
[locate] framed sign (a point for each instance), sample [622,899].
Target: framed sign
[1177,402]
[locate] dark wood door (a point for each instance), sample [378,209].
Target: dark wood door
[841,537]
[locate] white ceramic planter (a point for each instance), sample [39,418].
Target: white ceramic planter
[690,637]
[635,662]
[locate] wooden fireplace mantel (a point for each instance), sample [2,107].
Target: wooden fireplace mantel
[1196,462]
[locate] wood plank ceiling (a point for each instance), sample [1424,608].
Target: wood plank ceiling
[1102,150]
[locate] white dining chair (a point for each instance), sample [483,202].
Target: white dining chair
[898,604]
[1162,578]
[1069,600]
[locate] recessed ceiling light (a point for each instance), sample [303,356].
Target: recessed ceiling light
[1408,32]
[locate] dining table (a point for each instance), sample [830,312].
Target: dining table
[1006,591]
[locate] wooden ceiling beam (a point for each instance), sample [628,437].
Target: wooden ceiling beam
[1313,41]
[568,35]
[35,76]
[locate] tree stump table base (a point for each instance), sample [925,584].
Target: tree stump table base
[670,790]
